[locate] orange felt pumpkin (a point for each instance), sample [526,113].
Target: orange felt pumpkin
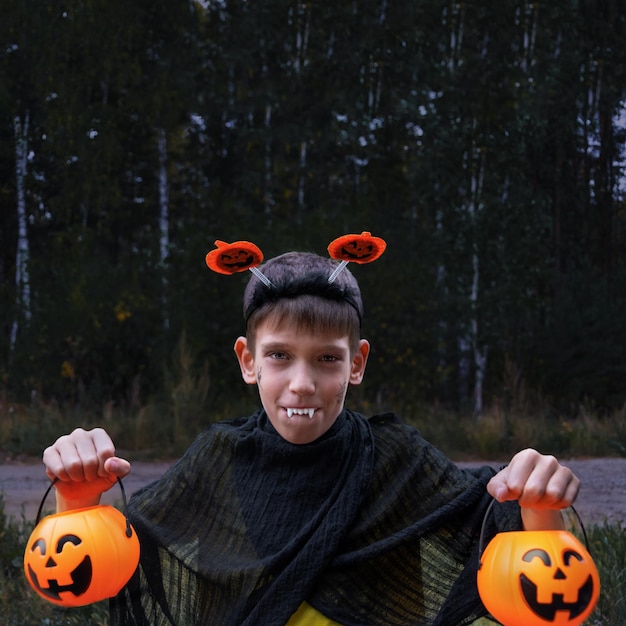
[81,556]
[529,578]
[363,248]
[229,258]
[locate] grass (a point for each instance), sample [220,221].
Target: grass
[497,435]
[608,547]
[163,428]
[165,425]
[20,606]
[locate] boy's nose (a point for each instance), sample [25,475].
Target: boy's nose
[302,382]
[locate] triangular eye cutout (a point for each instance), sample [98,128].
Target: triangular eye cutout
[363,248]
[229,258]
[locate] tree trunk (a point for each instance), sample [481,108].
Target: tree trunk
[480,352]
[22,279]
[164,226]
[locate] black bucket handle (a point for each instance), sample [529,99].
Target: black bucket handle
[129,530]
[481,541]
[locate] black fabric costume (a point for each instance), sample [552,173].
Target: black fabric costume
[369,524]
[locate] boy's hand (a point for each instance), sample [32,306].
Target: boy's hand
[540,484]
[86,466]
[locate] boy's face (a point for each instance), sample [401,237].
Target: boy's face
[302,378]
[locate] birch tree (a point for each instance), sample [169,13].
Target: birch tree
[478,138]
[22,278]
[476,169]
[164,226]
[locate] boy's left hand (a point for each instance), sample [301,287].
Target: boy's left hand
[536,481]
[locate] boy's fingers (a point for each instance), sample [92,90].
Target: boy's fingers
[535,481]
[60,460]
[549,485]
[82,456]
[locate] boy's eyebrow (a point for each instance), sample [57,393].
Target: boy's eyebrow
[274,345]
[284,345]
[332,347]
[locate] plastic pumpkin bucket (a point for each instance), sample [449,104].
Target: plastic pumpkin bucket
[537,578]
[81,556]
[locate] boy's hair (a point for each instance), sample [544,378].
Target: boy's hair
[301,296]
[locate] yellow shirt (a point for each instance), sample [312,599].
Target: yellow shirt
[306,615]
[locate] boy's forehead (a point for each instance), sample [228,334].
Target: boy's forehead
[289,331]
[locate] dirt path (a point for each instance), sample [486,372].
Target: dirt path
[24,483]
[602,496]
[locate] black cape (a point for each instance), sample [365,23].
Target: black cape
[369,524]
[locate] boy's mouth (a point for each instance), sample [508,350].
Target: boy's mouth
[307,412]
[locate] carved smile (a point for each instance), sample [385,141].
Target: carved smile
[228,262]
[548,610]
[364,253]
[81,579]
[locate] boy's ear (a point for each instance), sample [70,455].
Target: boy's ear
[359,361]
[246,361]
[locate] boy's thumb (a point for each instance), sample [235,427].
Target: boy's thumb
[498,488]
[117,467]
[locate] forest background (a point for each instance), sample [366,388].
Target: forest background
[483,140]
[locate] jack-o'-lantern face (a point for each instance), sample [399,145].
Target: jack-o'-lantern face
[538,577]
[363,248]
[228,258]
[357,250]
[81,556]
[540,592]
[63,567]
[236,259]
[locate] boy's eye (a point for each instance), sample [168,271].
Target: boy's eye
[329,357]
[278,355]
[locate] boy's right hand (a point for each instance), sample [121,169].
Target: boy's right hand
[86,466]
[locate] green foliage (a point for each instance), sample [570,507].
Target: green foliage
[477,138]
[188,392]
[163,427]
[607,544]
[582,356]
[499,434]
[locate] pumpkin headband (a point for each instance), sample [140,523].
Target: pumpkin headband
[230,258]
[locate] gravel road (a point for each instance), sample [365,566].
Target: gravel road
[602,496]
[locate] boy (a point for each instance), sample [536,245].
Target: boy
[306,513]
